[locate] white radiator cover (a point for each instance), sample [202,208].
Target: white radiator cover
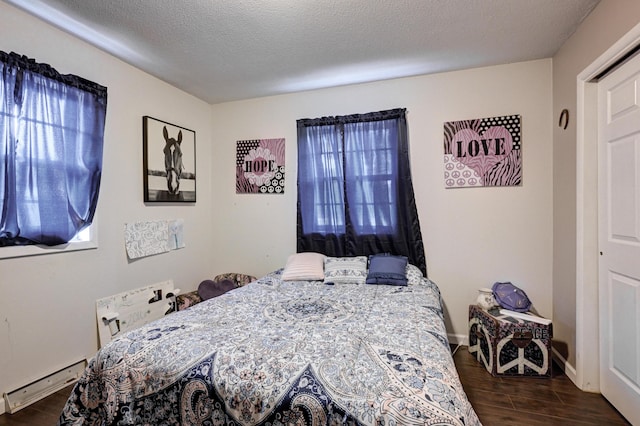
[35,391]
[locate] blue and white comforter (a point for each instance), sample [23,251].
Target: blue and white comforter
[282,353]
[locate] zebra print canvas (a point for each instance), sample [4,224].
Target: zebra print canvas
[483,152]
[260,166]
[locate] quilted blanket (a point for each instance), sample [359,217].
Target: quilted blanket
[282,353]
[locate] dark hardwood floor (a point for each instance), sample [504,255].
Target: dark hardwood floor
[529,401]
[508,401]
[41,413]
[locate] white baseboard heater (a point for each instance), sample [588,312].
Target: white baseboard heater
[35,391]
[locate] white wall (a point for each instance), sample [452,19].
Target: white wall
[607,23]
[47,303]
[473,237]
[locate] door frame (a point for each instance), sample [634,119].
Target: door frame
[587,369]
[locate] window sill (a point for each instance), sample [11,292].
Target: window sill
[87,239]
[22,251]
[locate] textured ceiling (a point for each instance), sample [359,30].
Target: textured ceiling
[225,50]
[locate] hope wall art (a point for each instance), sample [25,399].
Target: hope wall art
[483,152]
[260,166]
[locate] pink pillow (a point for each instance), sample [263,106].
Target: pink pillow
[304,267]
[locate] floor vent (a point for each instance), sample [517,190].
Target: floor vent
[26,395]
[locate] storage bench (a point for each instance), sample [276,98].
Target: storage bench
[510,346]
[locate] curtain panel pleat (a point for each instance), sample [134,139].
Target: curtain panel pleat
[51,145]
[355,194]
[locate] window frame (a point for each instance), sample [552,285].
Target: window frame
[323,226]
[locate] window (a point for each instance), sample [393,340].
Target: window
[355,195]
[51,139]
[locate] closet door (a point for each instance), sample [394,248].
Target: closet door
[619,237]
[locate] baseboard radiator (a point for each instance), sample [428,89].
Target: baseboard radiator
[35,391]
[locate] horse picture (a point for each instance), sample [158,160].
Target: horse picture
[169,162]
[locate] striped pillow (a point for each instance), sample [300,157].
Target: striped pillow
[304,267]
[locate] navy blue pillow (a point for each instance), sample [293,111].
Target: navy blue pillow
[387,269]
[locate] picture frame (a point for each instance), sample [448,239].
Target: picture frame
[260,167]
[169,162]
[483,152]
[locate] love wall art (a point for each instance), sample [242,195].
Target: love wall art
[483,152]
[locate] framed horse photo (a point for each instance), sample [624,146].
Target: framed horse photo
[169,156]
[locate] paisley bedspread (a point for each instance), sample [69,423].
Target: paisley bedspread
[282,353]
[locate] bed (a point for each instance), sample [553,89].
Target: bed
[278,352]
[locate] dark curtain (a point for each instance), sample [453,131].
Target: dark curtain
[51,141]
[355,194]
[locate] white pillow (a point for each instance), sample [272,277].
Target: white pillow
[345,270]
[304,267]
